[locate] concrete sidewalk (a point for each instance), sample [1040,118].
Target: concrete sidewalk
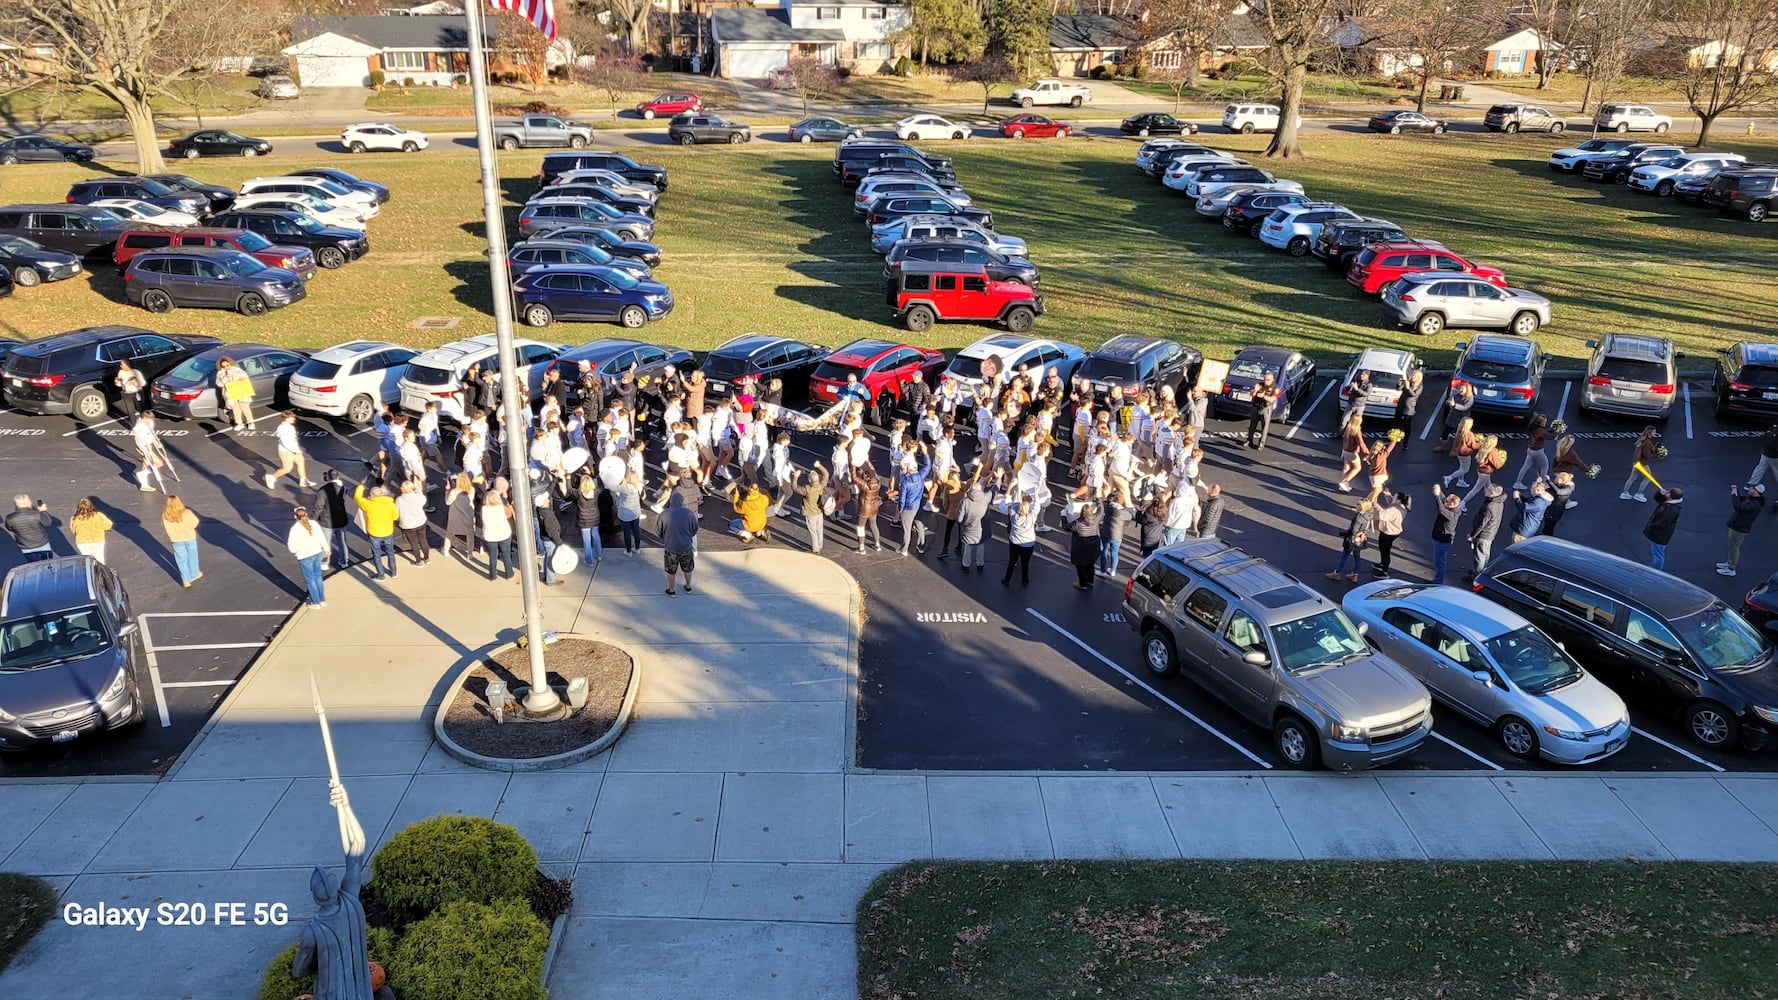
[720,848]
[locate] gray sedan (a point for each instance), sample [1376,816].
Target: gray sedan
[1430,301]
[824,130]
[1494,667]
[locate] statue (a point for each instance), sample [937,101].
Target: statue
[335,944]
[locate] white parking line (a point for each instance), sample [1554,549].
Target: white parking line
[206,614]
[1562,407]
[1436,411]
[92,427]
[150,650]
[227,430]
[1207,727]
[1300,421]
[1687,390]
[1683,752]
[1466,751]
[195,684]
[154,673]
[212,645]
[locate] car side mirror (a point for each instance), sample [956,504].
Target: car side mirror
[1673,659]
[1364,627]
[1486,678]
[1679,355]
[1258,659]
[127,628]
[1592,343]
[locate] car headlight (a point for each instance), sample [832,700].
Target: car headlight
[1350,734]
[1567,734]
[1768,714]
[6,716]
[117,686]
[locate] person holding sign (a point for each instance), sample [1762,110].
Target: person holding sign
[236,392]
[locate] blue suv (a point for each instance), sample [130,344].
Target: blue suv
[578,291]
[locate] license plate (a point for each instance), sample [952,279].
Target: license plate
[1769,395]
[1490,392]
[18,381]
[64,736]
[1245,397]
[1615,745]
[163,394]
[716,386]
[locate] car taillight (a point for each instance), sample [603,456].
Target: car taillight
[326,388]
[452,394]
[45,381]
[70,199]
[1409,297]
[1598,380]
[1129,585]
[1661,390]
[1740,386]
[1519,393]
[187,395]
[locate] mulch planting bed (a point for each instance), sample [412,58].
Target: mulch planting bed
[471,723]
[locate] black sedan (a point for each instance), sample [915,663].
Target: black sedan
[39,149]
[1156,123]
[1760,607]
[30,262]
[220,197]
[189,391]
[764,357]
[608,360]
[824,130]
[1290,370]
[609,242]
[1397,122]
[217,142]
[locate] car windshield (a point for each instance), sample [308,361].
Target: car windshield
[243,265]
[1720,639]
[1383,380]
[317,369]
[1107,370]
[18,244]
[622,279]
[333,188]
[195,369]
[963,366]
[252,242]
[154,187]
[724,366]
[429,375]
[235,137]
[1327,639]
[306,224]
[30,643]
[1531,661]
[1485,370]
[1253,369]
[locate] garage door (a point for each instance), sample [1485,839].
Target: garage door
[755,64]
[332,71]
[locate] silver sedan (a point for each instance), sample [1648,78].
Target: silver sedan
[1494,667]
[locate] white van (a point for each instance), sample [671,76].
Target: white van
[434,375]
[1250,118]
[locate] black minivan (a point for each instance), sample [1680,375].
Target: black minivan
[1654,638]
[75,372]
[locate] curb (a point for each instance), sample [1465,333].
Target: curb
[553,761]
[234,690]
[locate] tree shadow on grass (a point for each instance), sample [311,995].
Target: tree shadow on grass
[471,288]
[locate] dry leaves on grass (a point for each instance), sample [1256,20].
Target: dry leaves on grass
[1158,934]
[1595,924]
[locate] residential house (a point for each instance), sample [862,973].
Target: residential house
[1080,43]
[1514,55]
[342,51]
[752,42]
[1364,47]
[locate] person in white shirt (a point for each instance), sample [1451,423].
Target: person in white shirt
[858,450]
[474,452]
[308,543]
[428,434]
[930,426]
[290,455]
[1182,514]
[782,473]
[148,446]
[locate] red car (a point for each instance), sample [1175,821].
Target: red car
[1020,126]
[923,293]
[883,368]
[670,104]
[1381,263]
[131,242]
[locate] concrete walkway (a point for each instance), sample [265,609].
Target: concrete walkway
[719,849]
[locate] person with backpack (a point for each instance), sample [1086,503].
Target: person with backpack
[308,543]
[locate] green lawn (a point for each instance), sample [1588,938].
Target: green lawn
[1274,930]
[26,109]
[1320,88]
[761,238]
[1570,87]
[26,904]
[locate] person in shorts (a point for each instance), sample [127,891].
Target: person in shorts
[679,536]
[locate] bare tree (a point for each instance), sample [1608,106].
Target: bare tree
[1432,31]
[988,72]
[1606,39]
[526,48]
[1731,62]
[130,51]
[1192,27]
[1557,23]
[632,17]
[1294,32]
[617,74]
[812,79]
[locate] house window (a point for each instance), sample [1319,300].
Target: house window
[827,13]
[875,13]
[871,50]
[1166,59]
[404,60]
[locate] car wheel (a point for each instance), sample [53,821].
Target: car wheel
[648,114]
[1142,132]
[355,147]
[736,139]
[576,142]
[1074,102]
[1158,653]
[251,304]
[959,135]
[806,137]
[919,319]
[25,277]
[1621,178]
[1395,130]
[1020,318]
[1297,743]
[8,159]
[633,318]
[1298,246]
[156,301]
[1661,129]
[1517,737]
[1756,212]
[1511,127]
[1664,188]
[510,142]
[1712,725]
[1438,130]
[191,154]
[1024,102]
[1254,227]
[1430,324]
[249,151]
[1558,128]
[410,147]
[1018,133]
[880,409]
[360,410]
[915,136]
[1525,324]
[1246,128]
[88,405]
[1623,126]
[538,315]
[330,257]
[687,139]
[1722,406]
[1064,133]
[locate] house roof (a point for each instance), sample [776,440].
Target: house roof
[1100,33]
[426,31]
[1525,39]
[748,24]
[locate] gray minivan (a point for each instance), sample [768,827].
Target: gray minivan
[1631,375]
[158,280]
[1276,652]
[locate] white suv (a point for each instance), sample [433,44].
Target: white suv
[1293,228]
[1014,351]
[1630,118]
[1660,177]
[362,202]
[1250,118]
[435,375]
[381,136]
[351,380]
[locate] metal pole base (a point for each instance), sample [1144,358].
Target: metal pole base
[542,704]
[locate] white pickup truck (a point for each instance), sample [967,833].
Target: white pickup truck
[1051,92]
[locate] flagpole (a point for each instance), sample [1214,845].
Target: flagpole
[541,699]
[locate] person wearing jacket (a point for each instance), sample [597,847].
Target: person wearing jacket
[909,493]
[1210,511]
[1661,523]
[1745,505]
[1182,513]
[379,523]
[1464,443]
[1483,529]
[972,524]
[1534,506]
[814,491]
[308,543]
[1458,404]
[1643,453]
[1151,525]
[950,504]
[1561,489]
[1444,530]
[331,514]
[1117,509]
[868,489]
[1084,519]
[28,524]
[750,503]
[1768,457]
[1537,460]
[88,526]
[1391,513]
[1490,458]
[410,520]
[1409,401]
[1358,534]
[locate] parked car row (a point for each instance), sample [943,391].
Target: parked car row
[583,252]
[1721,180]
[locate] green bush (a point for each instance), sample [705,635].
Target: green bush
[377,77]
[904,66]
[279,984]
[472,951]
[448,858]
[1235,69]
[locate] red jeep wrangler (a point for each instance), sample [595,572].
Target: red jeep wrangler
[923,293]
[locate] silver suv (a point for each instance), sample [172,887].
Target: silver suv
[1430,301]
[1631,375]
[1630,118]
[1278,653]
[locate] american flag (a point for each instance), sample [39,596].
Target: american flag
[541,13]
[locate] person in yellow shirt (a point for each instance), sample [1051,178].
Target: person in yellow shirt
[379,523]
[751,503]
[88,526]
